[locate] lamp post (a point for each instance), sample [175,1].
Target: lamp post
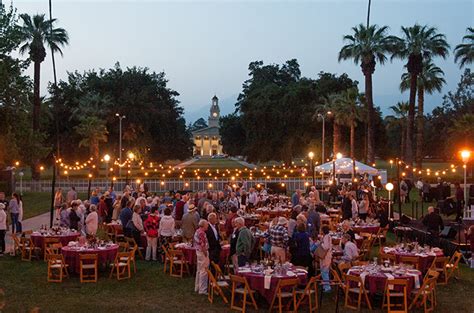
[311,158]
[337,157]
[323,117]
[106,159]
[53,187]
[120,117]
[389,187]
[21,181]
[89,183]
[465,156]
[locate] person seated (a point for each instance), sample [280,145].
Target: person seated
[351,252]
[346,227]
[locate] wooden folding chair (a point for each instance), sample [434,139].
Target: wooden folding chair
[132,244]
[17,245]
[453,265]
[359,290]
[46,242]
[28,249]
[426,295]
[343,269]
[121,266]
[439,265]
[123,246]
[178,263]
[310,291]
[387,257]
[285,289]
[57,268]
[237,283]
[381,236]
[390,294]
[132,250]
[365,249]
[410,260]
[216,286]
[167,259]
[88,263]
[53,248]
[219,274]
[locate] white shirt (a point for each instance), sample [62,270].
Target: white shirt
[3,220]
[350,252]
[354,208]
[214,231]
[252,197]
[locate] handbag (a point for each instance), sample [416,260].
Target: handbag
[320,252]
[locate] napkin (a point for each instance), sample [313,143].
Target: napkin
[362,276]
[244,270]
[267,281]
[290,273]
[389,276]
[417,279]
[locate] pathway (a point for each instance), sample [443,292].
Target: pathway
[186,163]
[33,223]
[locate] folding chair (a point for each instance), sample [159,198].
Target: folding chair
[244,291]
[57,268]
[390,293]
[359,290]
[121,266]
[283,293]
[308,292]
[216,286]
[88,263]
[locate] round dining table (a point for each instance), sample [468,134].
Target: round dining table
[106,255]
[371,229]
[256,280]
[424,259]
[38,238]
[189,253]
[375,278]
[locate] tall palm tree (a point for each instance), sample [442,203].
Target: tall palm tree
[368,45]
[93,131]
[417,43]
[332,103]
[349,113]
[36,32]
[464,52]
[401,112]
[430,80]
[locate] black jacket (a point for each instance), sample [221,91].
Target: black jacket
[214,244]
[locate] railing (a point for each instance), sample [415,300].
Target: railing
[155,185]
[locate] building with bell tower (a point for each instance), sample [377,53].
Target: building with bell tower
[207,140]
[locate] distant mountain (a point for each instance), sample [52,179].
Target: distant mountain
[227,106]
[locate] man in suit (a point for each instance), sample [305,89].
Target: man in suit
[213,239]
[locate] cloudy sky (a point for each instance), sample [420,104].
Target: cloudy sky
[205,47]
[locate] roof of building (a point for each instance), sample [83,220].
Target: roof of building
[212,131]
[215,98]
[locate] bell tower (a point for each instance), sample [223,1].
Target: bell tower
[214,116]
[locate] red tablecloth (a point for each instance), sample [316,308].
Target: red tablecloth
[190,254]
[38,239]
[424,262]
[375,283]
[105,256]
[257,283]
[366,229]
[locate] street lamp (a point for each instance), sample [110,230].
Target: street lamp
[131,156]
[107,159]
[120,117]
[337,157]
[465,156]
[389,187]
[311,157]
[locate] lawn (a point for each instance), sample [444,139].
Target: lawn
[36,203]
[150,290]
[205,163]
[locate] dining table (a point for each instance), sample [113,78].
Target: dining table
[425,256]
[189,252]
[106,255]
[64,237]
[265,284]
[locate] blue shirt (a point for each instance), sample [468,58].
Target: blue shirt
[94,200]
[125,216]
[301,240]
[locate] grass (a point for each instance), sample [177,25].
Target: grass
[205,163]
[36,203]
[25,288]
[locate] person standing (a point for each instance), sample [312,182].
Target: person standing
[213,238]
[189,223]
[202,246]
[433,222]
[125,217]
[301,255]
[137,228]
[71,195]
[364,206]
[14,207]
[252,200]
[74,218]
[279,240]
[179,210]
[151,227]
[92,221]
[3,228]
[244,244]
[58,201]
[325,261]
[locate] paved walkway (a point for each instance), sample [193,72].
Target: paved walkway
[244,163]
[33,223]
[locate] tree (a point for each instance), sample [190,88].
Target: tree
[93,132]
[350,113]
[464,128]
[430,80]
[232,134]
[367,46]
[36,32]
[198,124]
[464,52]
[401,112]
[417,43]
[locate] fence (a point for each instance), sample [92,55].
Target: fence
[154,185]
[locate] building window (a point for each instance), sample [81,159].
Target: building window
[206,138]
[198,137]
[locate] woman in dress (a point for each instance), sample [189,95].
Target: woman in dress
[325,261]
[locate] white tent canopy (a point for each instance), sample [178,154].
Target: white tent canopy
[345,166]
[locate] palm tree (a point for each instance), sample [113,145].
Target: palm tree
[418,43]
[37,32]
[430,80]
[465,52]
[349,113]
[331,103]
[401,112]
[366,46]
[93,131]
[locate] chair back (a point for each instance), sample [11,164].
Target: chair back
[410,260]
[392,287]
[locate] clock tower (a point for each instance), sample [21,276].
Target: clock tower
[214,116]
